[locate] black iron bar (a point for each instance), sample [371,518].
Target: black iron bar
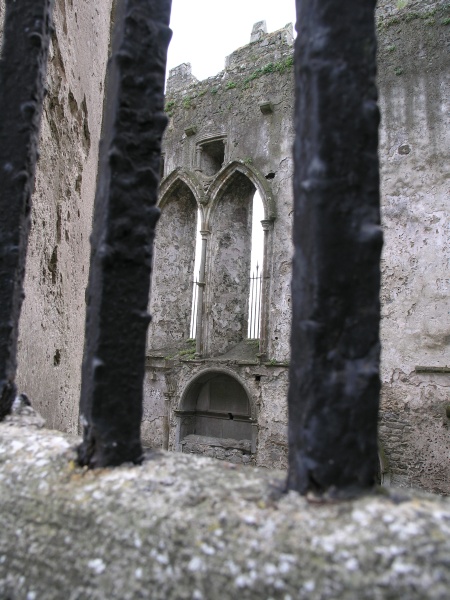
[334,374]
[125,215]
[23,65]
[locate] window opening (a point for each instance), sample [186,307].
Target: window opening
[256,269]
[212,157]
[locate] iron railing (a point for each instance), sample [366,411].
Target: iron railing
[193,326]
[254,304]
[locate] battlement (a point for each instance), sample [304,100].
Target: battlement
[262,44]
[180,77]
[387,9]
[263,48]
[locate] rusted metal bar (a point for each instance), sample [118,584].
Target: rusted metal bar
[125,215]
[23,64]
[334,374]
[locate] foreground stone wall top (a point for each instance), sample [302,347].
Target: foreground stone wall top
[183,527]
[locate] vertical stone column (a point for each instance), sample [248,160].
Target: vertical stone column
[334,374]
[267,226]
[23,68]
[205,233]
[125,215]
[226,157]
[198,158]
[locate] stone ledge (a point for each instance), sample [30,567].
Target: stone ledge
[182,527]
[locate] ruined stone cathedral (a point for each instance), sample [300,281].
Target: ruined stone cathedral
[218,344]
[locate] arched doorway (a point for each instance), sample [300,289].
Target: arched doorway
[215,418]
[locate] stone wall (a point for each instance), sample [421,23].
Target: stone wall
[387,9]
[2,16]
[220,448]
[52,321]
[414,78]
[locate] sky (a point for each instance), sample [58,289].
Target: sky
[206,31]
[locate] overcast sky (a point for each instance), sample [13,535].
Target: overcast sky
[206,31]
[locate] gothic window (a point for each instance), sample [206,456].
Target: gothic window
[215,406]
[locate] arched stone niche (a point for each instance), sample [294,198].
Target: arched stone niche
[172,277]
[216,417]
[229,266]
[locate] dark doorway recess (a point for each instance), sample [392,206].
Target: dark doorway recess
[216,405]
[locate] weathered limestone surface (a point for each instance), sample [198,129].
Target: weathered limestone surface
[52,321]
[392,8]
[231,450]
[173,271]
[192,527]
[229,268]
[2,15]
[414,84]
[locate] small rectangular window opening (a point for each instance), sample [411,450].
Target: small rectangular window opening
[213,157]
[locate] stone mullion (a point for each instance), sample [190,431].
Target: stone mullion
[267,226]
[201,287]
